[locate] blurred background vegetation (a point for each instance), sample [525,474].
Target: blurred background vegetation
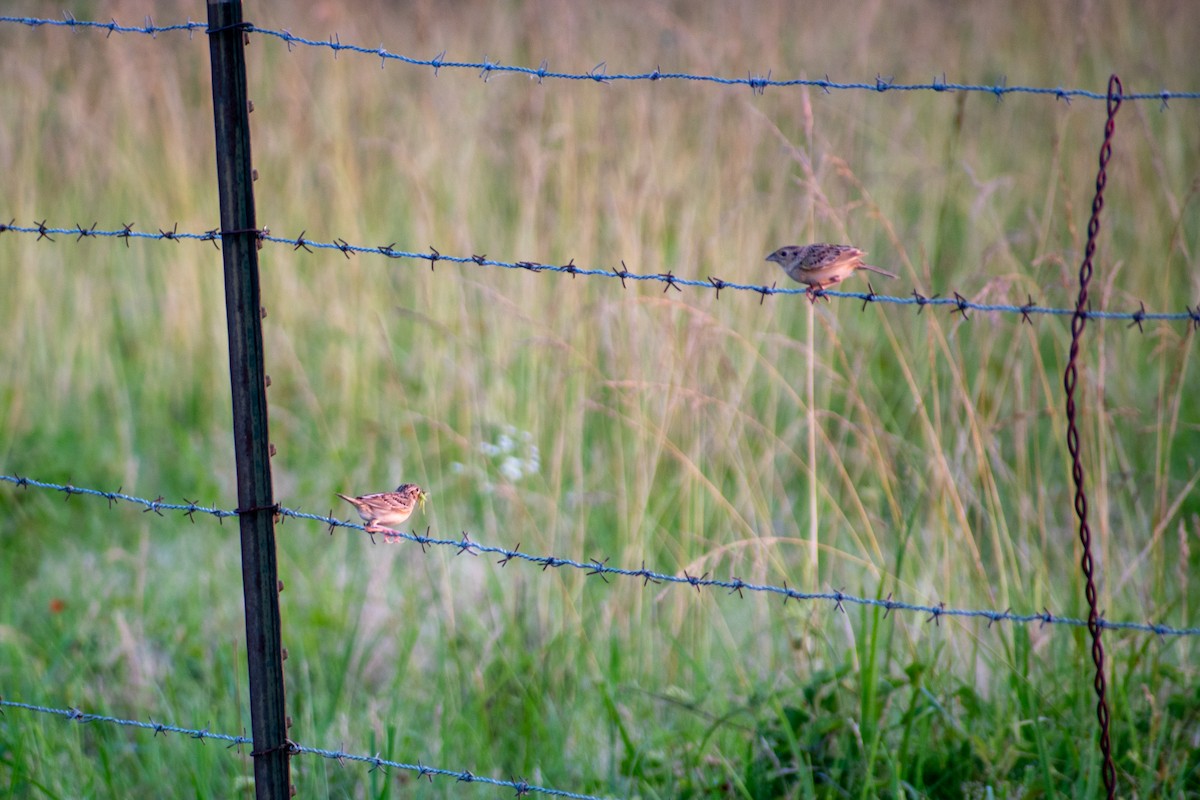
[877,451]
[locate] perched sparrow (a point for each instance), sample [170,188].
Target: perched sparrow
[387,508]
[821,265]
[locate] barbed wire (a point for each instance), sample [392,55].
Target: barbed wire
[112,26]
[521,786]
[600,568]
[958,304]
[758,84]
[157,505]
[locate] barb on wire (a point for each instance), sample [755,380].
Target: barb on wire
[423,771]
[487,68]
[148,29]
[599,567]
[76,715]
[189,509]
[1070,379]
[955,305]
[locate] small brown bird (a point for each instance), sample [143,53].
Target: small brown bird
[821,265]
[386,509]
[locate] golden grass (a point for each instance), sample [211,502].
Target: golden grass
[673,428]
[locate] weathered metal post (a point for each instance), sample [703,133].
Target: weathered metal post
[256,503]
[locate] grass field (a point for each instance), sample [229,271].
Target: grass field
[877,451]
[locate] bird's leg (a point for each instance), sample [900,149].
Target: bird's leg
[390,535]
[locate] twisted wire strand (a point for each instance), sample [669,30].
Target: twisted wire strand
[600,568]
[522,787]
[599,74]
[956,304]
[1070,379]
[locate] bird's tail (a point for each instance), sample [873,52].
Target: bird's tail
[880,271]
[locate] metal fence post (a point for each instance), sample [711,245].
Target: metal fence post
[256,504]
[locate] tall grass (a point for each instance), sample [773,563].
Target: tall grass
[664,427]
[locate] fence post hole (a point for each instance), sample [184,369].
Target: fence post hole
[256,504]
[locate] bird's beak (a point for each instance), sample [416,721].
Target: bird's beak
[770,257]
